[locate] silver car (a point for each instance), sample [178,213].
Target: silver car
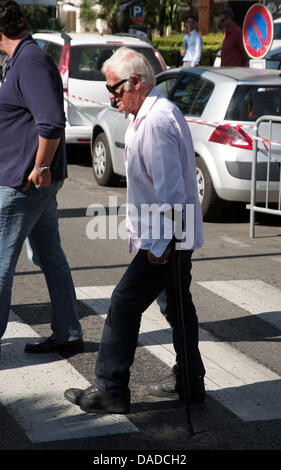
[221,106]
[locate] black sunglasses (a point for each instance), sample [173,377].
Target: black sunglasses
[112,88]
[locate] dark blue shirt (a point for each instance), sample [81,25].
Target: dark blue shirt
[31,105]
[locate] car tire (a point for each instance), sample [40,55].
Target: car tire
[211,204]
[102,163]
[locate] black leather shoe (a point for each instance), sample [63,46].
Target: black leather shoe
[93,400]
[169,387]
[73,395]
[53,345]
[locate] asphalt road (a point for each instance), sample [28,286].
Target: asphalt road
[236,288]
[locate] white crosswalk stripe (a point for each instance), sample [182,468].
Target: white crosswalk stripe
[32,388]
[233,241]
[276,258]
[255,296]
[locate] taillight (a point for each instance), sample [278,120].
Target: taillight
[64,66]
[160,59]
[233,136]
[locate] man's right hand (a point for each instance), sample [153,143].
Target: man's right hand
[40,180]
[163,259]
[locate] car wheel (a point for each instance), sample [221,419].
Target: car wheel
[102,163]
[211,204]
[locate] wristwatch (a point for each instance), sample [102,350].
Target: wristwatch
[42,169]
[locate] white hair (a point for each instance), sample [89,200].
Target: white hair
[127,62]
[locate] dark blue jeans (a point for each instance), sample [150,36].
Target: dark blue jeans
[139,287]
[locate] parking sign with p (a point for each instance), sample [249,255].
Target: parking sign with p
[136,13]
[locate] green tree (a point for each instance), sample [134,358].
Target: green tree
[157,14]
[40,17]
[160,14]
[108,11]
[87,14]
[111,14]
[171,14]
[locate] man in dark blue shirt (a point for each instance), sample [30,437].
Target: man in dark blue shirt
[32,170]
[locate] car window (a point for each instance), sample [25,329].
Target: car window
[166,85]
[54,51]
[86,61]
[202,99]
[191,94]
[250,102]
[277,31]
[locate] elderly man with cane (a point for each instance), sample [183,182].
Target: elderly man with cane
[160,167]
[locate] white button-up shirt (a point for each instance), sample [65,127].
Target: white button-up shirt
[160,168]
[193,44]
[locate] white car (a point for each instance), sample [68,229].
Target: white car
[79,58]
[221,106]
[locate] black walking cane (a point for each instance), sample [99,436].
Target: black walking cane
[181,329]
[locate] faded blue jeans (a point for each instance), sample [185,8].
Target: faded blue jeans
[32,216]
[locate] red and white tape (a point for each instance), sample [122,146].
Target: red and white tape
[80,98]
[218,123]
[197,121]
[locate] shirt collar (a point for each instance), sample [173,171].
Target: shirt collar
[149,101]
[18,49]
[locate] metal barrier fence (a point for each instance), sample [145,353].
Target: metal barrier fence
[273,172]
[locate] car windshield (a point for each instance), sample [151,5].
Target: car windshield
[250,102]
[86,61]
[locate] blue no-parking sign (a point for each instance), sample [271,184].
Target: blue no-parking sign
[257,31]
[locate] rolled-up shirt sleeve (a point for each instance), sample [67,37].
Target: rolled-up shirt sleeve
[38,86]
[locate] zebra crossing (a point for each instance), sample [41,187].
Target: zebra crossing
[244,386]
[231,376]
